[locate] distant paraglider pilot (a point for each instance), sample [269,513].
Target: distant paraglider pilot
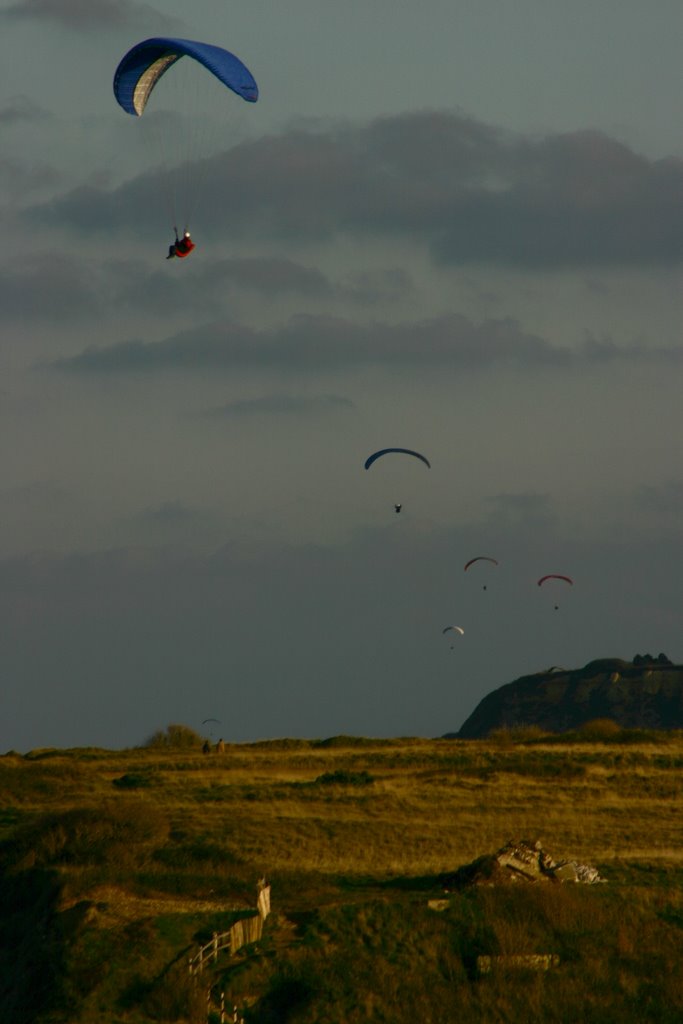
[181,247]
[397,508]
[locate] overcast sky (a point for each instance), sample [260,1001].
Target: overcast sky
[454,228]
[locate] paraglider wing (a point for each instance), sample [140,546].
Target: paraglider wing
[480,558]
[142,67]
[556,576]
[211,720]
[404,451]
[456,629]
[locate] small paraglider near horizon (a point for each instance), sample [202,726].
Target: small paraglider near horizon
[480,558]
[397,508]
[212,722]
[555,576]
[402,451]
[182,247]
[456,629]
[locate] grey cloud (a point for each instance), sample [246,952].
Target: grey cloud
[369,287]
[87,14]
[326,342]
[168,513]
[279,405]
[525,512]
[262,275]
[52,284]
[664,499]
[467,191]
[42,492]
[18,109]
[605,350]
[272,276]
[48,285]
[21,180]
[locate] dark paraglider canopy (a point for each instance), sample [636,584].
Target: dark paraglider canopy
[556,576]
[480,558]
[403,451]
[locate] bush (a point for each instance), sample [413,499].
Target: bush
[344,778]
[132,781]
[176,737]
[600,730]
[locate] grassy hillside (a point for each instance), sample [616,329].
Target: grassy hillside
[117,865]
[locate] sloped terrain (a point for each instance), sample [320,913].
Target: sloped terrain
[107,890]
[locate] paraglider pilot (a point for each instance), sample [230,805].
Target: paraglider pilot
[181,247]
[397,508]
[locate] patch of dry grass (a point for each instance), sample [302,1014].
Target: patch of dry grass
[431,806]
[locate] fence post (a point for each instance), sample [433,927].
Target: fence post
[263,898]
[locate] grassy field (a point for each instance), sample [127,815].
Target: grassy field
[116,865]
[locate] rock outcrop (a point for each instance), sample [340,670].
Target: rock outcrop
[646,693]
[523,861]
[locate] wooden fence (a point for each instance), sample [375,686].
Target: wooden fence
[248,929]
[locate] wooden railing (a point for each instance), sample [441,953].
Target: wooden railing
[241,933]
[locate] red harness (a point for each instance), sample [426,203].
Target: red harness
[184,247]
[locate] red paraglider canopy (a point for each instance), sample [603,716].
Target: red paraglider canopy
[480,558]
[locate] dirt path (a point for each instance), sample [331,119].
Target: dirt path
[115,905]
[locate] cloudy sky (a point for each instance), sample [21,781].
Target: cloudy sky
[456,228]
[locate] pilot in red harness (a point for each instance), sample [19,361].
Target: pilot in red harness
[182,247]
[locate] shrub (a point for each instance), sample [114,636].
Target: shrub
[345,778]
[132,781]
[600,730]
[508,734]
[176,737]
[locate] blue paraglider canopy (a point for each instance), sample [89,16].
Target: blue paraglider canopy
[142,67]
